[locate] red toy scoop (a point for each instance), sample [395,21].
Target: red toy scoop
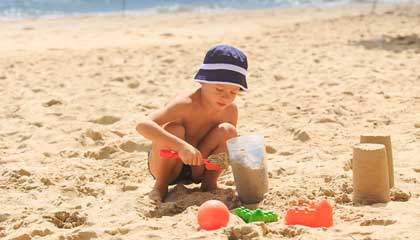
[169,154]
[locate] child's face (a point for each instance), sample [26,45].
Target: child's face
[219,95]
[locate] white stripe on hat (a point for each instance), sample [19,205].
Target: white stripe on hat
[224,66]
[217,82]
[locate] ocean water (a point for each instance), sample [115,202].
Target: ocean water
[16,9]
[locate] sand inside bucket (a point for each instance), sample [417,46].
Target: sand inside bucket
[251,184]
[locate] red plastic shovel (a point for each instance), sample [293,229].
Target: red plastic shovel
[169,154]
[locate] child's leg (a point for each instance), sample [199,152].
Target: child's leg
[214,142]
[164,170]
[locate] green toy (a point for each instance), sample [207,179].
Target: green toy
[257,215]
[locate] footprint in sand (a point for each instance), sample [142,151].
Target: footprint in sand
[347,165]
[118,133]
[126,188]
[66,220]
[52,102]
[270,149]
[22,237]
[20,180]
[131,146]
[248,231]
[69,153]
[286,153]
[94,135]
[18,225]
[117,79]
[167,35]
[326,120]
[342,199]
[289,232]
[116,231]
[106,120]
[278,78]
[89,137]
[301,135]
[22,172]
[180,198]
[327,192]
[133,84]
[91,189]
[46,181]
[346,188]
[399,196]
[23,138]
[41,233]
[37,124]
[85,235]
[101,153]
[168,60]
[4,217]
[37,90]
[409,180]
[381,222]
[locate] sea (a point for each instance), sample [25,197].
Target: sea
[20,9]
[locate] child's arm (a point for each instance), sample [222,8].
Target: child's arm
[151,128]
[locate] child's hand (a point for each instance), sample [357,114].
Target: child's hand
[190,155]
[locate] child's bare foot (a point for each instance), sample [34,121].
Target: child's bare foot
[158,194]
[209,182]
[206,187]
[154,195]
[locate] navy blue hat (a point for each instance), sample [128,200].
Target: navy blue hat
[224,64]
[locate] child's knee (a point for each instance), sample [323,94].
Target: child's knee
[176,129]
[227,130]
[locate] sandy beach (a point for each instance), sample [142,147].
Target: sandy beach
[72,166]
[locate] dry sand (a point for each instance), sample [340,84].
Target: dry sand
[72,89]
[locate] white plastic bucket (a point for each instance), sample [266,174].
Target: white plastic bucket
[247,150]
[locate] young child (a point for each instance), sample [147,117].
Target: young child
[197,124]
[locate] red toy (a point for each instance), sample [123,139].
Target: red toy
[212,215]
[314,215]
[174,155]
